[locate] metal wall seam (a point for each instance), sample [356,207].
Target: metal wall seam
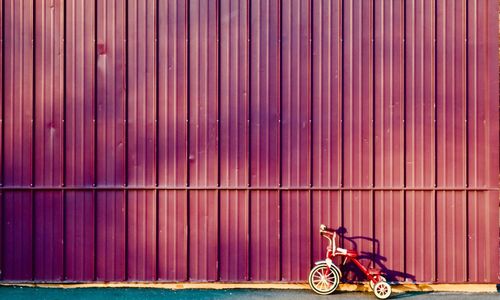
[233,232]
[18,92]
[2,140]
[389,144]
[203,85]
[420,139]
[483,165]
[111,101]
[264,146]
[358,102]
[173,139]
[141,140]
[451,101]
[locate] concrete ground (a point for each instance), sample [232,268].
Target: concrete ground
[22,293]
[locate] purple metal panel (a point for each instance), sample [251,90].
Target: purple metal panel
[141,140]
[48,236]
[17,157]
[79,236]
[358,124]
[296,236]
[111,86]
[483,149]
[203,139]
[389,137]
[110,249]
[451,140]
[172,97]
[80,91]
[234,121]
[296,93]
[203,236]
[420,139]
[327,209]
[18,238]
[18,93]
[265,93]
[264,137]
[172,236]
[49,77]
[327,94]
[234,233]
[420,236]
[296,138]
[141,235]
[79,140]
[172,140]
[265,236]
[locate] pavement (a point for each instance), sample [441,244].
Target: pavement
[22,293]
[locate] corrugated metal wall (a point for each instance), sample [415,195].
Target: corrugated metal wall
[208,139]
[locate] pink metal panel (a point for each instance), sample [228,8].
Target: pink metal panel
[265,93]
[17,121]
[358,124]
[234,150]
[49,76]
[483,149]
[451,140]
[296,235]
[203,139]
[18,93]
[110,249]
[234,233]
[18,238]
[141,140]
[172,236]
[203,236]
[79,236]
[79,139]
[327,94]
[326,209]
[265,236]
[172,256]
[264,137]
[172,97]
[389,137]
[48,236]
[420,139]
[296,93]
[296,138]
[111,85]
[141,235]
[80,91]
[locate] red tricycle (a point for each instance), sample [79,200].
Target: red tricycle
[324,278]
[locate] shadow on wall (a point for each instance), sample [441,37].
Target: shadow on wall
[353,273]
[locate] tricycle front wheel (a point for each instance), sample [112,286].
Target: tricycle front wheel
[324,280]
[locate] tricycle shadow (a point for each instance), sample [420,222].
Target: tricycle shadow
[369,259]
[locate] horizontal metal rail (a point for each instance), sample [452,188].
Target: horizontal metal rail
[239,188]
